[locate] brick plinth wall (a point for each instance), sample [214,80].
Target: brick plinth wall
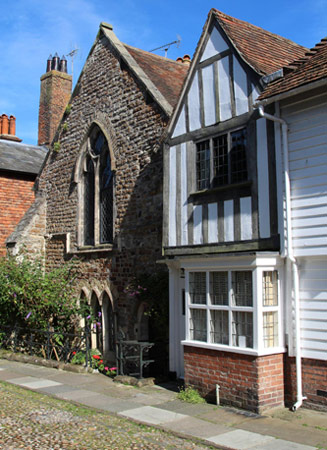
[16,196]
[249,382]
[314,382]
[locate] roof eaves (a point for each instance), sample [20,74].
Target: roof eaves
[136,69]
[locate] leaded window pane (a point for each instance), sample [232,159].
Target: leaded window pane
[270,329]
[220,160]
[203,165]
[198,288]
[106,198]
[219,288]
[238,156]
[89,203]
[219,327]
[198,325]
[242,288]
[269,288]
[242,329]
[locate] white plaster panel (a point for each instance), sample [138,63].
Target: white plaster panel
[246,218]
[225,106]
[194,104]
[172,197]
[263,179]
[255,93]
[180,127]
[216,44]
[197,224]
[229,220]
[183,177]
[240,88]
[209,95]
[212,222]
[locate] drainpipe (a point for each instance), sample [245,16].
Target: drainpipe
[288,254]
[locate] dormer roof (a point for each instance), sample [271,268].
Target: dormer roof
[309,69]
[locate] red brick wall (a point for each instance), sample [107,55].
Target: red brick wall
[314,377]
[254,383]
[16,196]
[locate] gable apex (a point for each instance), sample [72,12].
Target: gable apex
[216,44]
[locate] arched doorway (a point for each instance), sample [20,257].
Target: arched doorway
[97,340]
[108,328]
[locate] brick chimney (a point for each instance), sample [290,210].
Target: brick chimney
[56,88]
[8,128]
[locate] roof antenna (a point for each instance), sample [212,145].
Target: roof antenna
[71,55]
[166,47]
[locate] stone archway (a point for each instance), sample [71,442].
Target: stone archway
[108,328]
[97,339]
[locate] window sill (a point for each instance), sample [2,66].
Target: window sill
[226,348]
[225,187]
[94,249]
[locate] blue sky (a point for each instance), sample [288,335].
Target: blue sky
[32,29]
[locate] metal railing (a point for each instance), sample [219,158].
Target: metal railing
[49,344]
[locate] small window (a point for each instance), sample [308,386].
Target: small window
[270,308]
[222,160]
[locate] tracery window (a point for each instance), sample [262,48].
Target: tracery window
[98,191]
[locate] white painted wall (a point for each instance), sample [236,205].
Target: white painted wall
[307,137]
[215,45]
[313,307]
[225,106]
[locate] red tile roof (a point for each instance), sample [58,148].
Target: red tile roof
[264,51]
[167,75]
[312,67]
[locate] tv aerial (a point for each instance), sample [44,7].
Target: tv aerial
[166,47]
[72,55]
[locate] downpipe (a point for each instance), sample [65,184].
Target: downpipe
[288,254]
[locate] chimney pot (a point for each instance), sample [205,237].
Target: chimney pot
[12,125]
[55,62]
[63,64]
[5,124]
[179,59]
[49,62]
[186,59]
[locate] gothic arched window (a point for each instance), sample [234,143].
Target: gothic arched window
[98,191]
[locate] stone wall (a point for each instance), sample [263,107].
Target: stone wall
[108,94]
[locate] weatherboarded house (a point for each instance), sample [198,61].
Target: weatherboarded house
[101,185]
[226,233]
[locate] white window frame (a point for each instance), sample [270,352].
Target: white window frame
[257,309]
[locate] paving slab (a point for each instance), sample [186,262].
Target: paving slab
[105,403]
[151,415]
[280,444]
[196,427]
[287,430]
[187,408]
[38,384]
[20,380]
[241,440]
[77,394]
[56,390]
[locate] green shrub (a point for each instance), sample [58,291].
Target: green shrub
[190,395]
[33,297]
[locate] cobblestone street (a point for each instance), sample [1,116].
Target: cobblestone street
[33,421]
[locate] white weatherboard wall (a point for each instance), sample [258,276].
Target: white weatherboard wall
[307,137]
[307,141]
[313,307]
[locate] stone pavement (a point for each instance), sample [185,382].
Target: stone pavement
[158,406]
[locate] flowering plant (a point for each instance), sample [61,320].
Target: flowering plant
[112,372]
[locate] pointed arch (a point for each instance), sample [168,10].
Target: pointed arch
[95,176]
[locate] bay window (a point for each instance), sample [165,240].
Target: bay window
[222,309]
